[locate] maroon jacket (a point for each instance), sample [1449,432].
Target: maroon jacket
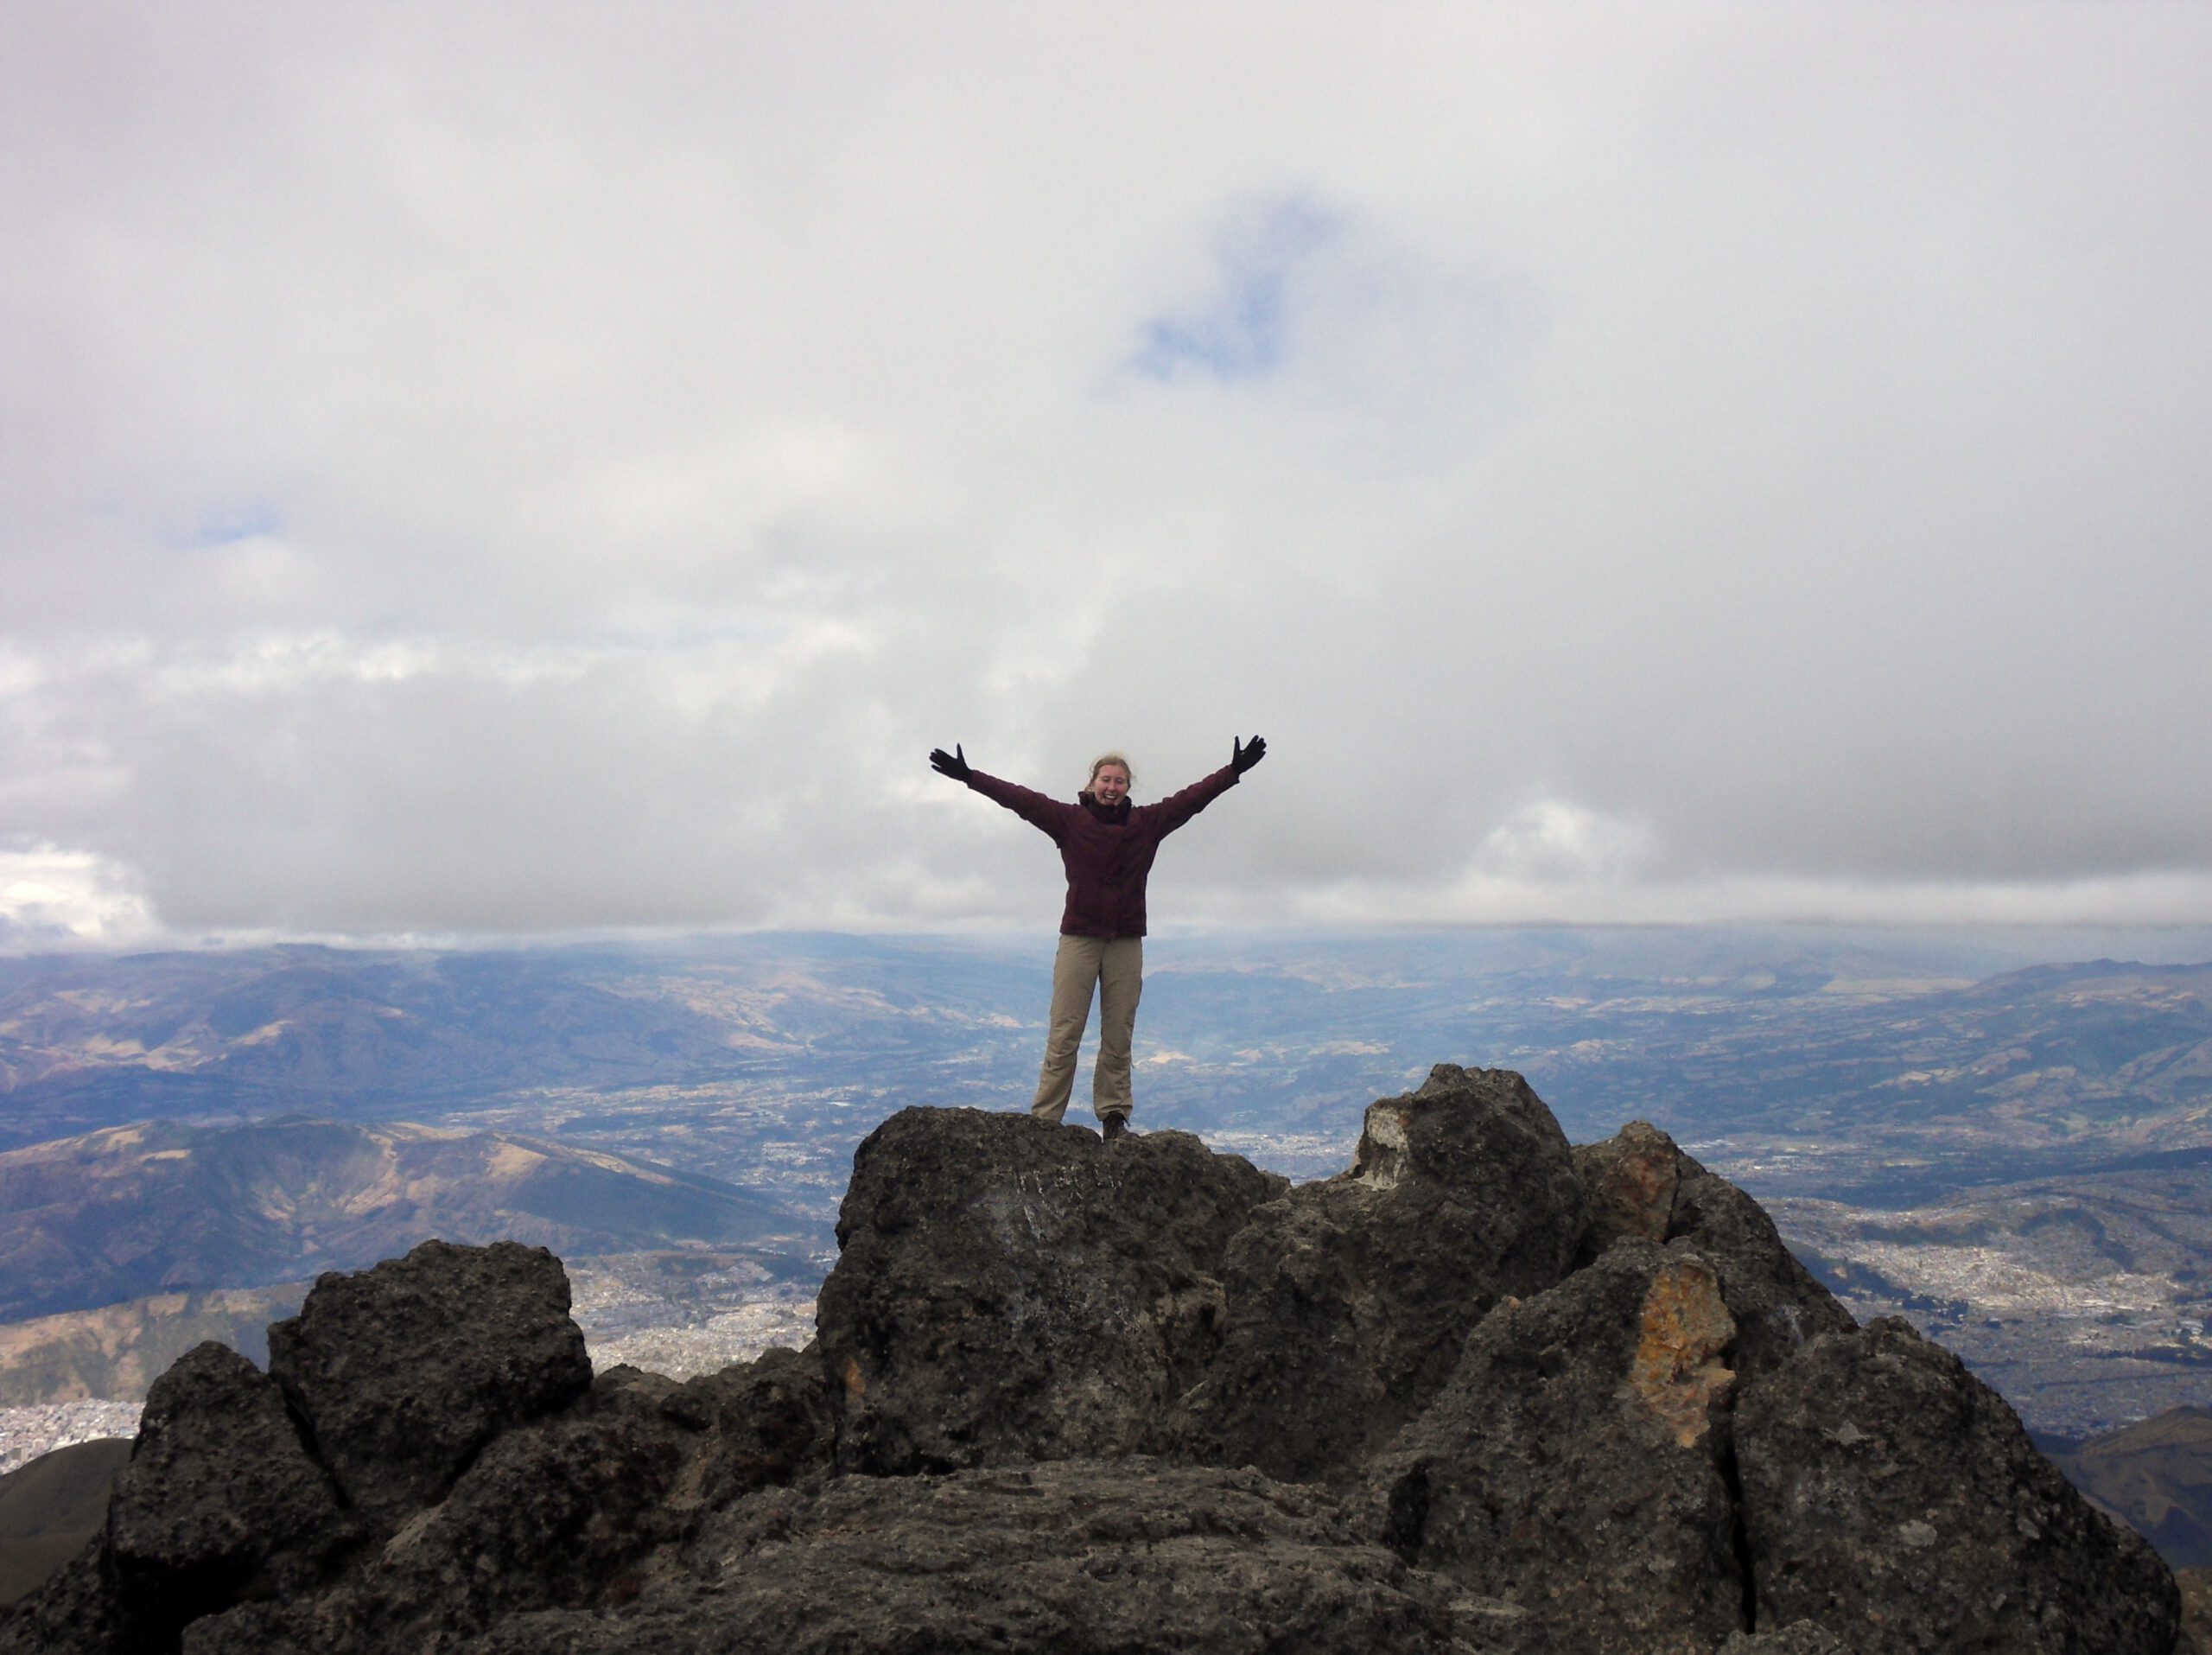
[1108,853]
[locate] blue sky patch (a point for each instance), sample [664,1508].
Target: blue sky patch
[1239,331]
[245,520]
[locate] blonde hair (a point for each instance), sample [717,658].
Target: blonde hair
[1105,759]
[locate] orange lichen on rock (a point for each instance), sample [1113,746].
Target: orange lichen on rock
[1677,1371]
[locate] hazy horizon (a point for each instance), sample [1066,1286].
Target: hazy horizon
[1995,947]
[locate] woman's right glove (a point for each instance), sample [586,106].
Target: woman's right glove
[953,764]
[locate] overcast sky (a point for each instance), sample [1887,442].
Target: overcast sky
[476,468]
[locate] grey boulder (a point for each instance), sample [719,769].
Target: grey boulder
[407,1370]
[1011,1290]
[1348,1299]
[1640,1184]
[1575,1464]
[1895,1500]
[218,1489]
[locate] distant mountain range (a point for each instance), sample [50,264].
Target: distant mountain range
[159,1208]
[1806,1037]
[97,1041]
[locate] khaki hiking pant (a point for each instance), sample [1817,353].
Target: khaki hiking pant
[1115,969]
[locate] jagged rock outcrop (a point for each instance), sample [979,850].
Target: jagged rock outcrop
[1007,1290]
[551,1514]
[1347,1300]
[1895,1498]
[560,1514]
[1482,1394]
[220,1500]
[1641,1184]
[406,1370]
[1576,1465]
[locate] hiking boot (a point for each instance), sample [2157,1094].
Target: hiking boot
[1116,1126]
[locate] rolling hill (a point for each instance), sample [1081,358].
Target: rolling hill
[2157,1475]
[158,1207]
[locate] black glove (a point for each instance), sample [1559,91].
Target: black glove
[953,764]
[1244,755]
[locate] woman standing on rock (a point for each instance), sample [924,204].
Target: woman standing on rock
[1107,846]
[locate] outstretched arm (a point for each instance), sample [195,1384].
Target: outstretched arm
[1049,814]
[1176,808]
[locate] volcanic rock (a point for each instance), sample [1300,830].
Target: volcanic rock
[762,1424]
[1573,1465]
[1895,1498]
[1642,1184]
[1800,1637]
[1348,1299]
[1629,1180]
[1013,1290]
[406,1370]
[220,1500]
[552,1512]
[1077,1557]
[1777,1303]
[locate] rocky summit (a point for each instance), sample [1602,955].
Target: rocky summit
[1484,1393]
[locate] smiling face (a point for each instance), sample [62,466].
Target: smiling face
[1109,781]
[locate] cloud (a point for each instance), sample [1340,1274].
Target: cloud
[514,469]
[1553,839]
[53,899]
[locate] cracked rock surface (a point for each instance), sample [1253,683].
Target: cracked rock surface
[1573,1465]
[1895,1500]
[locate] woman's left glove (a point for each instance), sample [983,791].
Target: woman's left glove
[1242,755]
